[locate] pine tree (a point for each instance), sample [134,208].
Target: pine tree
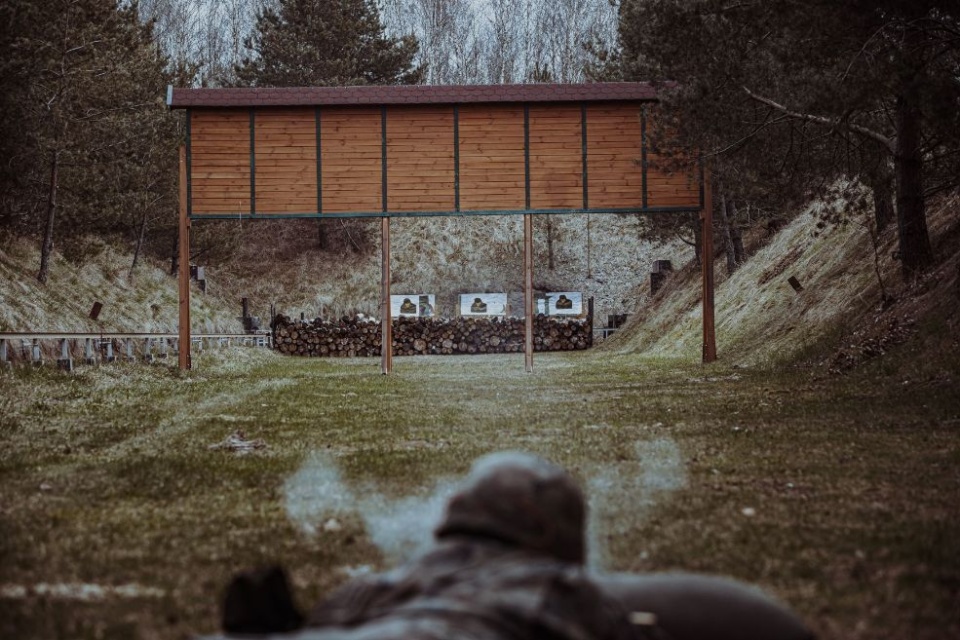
[85,97]
[302,43]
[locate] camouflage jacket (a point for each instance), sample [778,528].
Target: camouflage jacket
[476,589]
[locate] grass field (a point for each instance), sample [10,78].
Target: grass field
[840,495]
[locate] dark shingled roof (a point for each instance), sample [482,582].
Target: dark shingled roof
[409,94]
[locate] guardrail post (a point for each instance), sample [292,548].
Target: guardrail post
[110,356]
[65,362]
[99,348]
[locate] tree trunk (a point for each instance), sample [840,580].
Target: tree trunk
[46,247]
[323,235]
[550,263]
[697,235]
[727,236]
[916,254]
[175,256]
[739,253]
[881,184]
[140,236]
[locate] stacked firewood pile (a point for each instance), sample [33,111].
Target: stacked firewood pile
[360,336]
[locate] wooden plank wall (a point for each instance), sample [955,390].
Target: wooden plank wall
[440,158]
[220,161]
[613,156]
[286,160]
[351,150]
[491,157]
[556,157]
[420,159]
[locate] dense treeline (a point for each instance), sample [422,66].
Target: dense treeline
[87,144]
[458,41]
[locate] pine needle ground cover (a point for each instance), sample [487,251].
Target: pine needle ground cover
[129,494]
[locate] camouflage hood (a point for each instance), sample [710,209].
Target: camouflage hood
[521,500]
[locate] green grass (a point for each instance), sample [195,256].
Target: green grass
[106,477]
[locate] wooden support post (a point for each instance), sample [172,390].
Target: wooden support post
[706,258]
[37,355]
[386,329]
[590,321]
[4,356]
[184,327]
[528,291]
[88,354]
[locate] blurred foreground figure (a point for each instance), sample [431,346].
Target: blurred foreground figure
[508,565]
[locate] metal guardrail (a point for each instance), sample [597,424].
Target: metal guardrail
[605,331]
[101,347]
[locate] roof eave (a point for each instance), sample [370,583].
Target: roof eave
[408,95]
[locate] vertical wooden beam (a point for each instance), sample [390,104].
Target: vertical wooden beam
[643,155]
[386,326]
[527,249]
[383,158]
[706,258]
[253,161]
[528,291]
[586,179]
[184,273]
[456,158]
[319,146]
[585,176]
[189,160]
[526,155]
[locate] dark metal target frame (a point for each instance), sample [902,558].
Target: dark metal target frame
[421,151]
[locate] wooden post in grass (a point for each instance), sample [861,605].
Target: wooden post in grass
[184,273]
[706,258]
[386,330]
[528,291]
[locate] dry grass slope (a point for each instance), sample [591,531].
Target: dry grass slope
[762,320]
[147,302]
